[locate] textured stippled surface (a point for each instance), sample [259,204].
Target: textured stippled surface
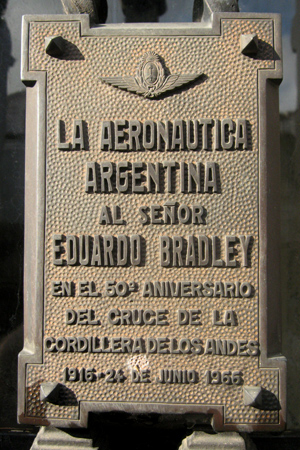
[74,91]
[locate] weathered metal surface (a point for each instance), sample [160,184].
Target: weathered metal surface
[156,293]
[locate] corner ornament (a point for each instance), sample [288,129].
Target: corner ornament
[151,79]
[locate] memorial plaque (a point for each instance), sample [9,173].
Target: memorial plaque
[152,192]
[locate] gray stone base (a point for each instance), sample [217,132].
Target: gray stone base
[221,441]
[51,438]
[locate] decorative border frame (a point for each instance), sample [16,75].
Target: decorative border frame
[269,192]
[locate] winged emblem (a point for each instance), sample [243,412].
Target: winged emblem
[151,78]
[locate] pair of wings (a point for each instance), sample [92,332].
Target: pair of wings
[133,84]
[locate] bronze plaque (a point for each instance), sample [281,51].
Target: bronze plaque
[152,193]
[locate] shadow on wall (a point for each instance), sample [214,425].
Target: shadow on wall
[5,62]
[143,11]
[10,347]
[12,130]
[290,240]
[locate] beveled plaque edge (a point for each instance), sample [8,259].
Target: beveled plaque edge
[269,296]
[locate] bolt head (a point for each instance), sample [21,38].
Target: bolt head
[54,46]
[249,44]
[253,396]
[49,392]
